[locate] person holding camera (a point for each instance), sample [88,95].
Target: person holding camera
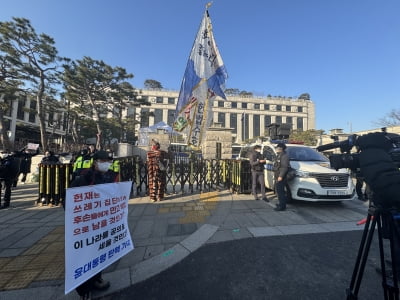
[281,168]
[257,162]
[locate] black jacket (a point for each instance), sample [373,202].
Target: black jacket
[255,165]
[9,167]
[26,160]
[91,177]
[281,165]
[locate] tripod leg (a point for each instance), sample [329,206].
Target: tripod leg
[358,271]
[390,287]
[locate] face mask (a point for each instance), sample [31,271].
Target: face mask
[258,150]
[103,166]
[3,155]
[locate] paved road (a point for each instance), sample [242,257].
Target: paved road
[167,232]
[310,266]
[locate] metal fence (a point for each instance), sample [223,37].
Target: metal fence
[195,175]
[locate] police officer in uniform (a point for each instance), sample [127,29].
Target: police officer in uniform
[281,167]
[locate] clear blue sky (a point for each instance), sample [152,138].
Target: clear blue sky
[344,53]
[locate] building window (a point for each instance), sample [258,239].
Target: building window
[171,117]
[279,107]
[288,108]
[20,111]
[267,120]
[278,120]
[50,119]
[220,103]
[218,155]
[157,115]
[171,100]
[32,115]
[266,106]
[289,120]
[256,125]
[244,105]
[256,106]
[221,118]
[300,123]
[300,108]
[233,120]
[159,100]
[144,117]
[234,105]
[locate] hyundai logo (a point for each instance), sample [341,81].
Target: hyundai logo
[335,178]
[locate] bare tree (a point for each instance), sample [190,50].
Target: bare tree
[391,119]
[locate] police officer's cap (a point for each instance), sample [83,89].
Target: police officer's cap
[281,145]
[101,154]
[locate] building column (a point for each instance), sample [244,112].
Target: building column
[27,105]
[262,125]
[227,120]
[151,118]
[165,116]
[239,126]
[13,123]
[251,123]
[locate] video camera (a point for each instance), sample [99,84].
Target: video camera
[377,161]
[348,160]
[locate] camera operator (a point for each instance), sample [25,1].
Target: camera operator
[383,178]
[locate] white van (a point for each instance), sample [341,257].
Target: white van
[314,181]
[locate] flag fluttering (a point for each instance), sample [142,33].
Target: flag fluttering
[203,81]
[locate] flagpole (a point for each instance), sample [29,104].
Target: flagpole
[203,80]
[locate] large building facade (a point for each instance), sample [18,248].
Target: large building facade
[248,117]
[22,123]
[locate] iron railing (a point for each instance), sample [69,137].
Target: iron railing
[195,175]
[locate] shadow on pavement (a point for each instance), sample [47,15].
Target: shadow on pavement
[308,266]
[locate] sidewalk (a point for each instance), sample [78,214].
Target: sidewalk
[32,237]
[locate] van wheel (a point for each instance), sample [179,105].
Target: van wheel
[288,195]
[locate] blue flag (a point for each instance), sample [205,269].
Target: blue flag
[204,79]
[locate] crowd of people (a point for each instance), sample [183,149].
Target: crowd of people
[13,164]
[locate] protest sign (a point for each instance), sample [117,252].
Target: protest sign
[96,230]
[32,146]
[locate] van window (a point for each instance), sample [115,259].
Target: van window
[236,151]
[305,154]
[245,152]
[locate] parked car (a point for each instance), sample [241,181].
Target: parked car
[314,180]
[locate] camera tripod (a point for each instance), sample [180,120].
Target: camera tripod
[384,220]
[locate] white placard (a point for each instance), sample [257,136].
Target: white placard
[32,146]
[96,230]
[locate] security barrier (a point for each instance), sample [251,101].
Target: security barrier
[241,176]
[182,177]
[54,179]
